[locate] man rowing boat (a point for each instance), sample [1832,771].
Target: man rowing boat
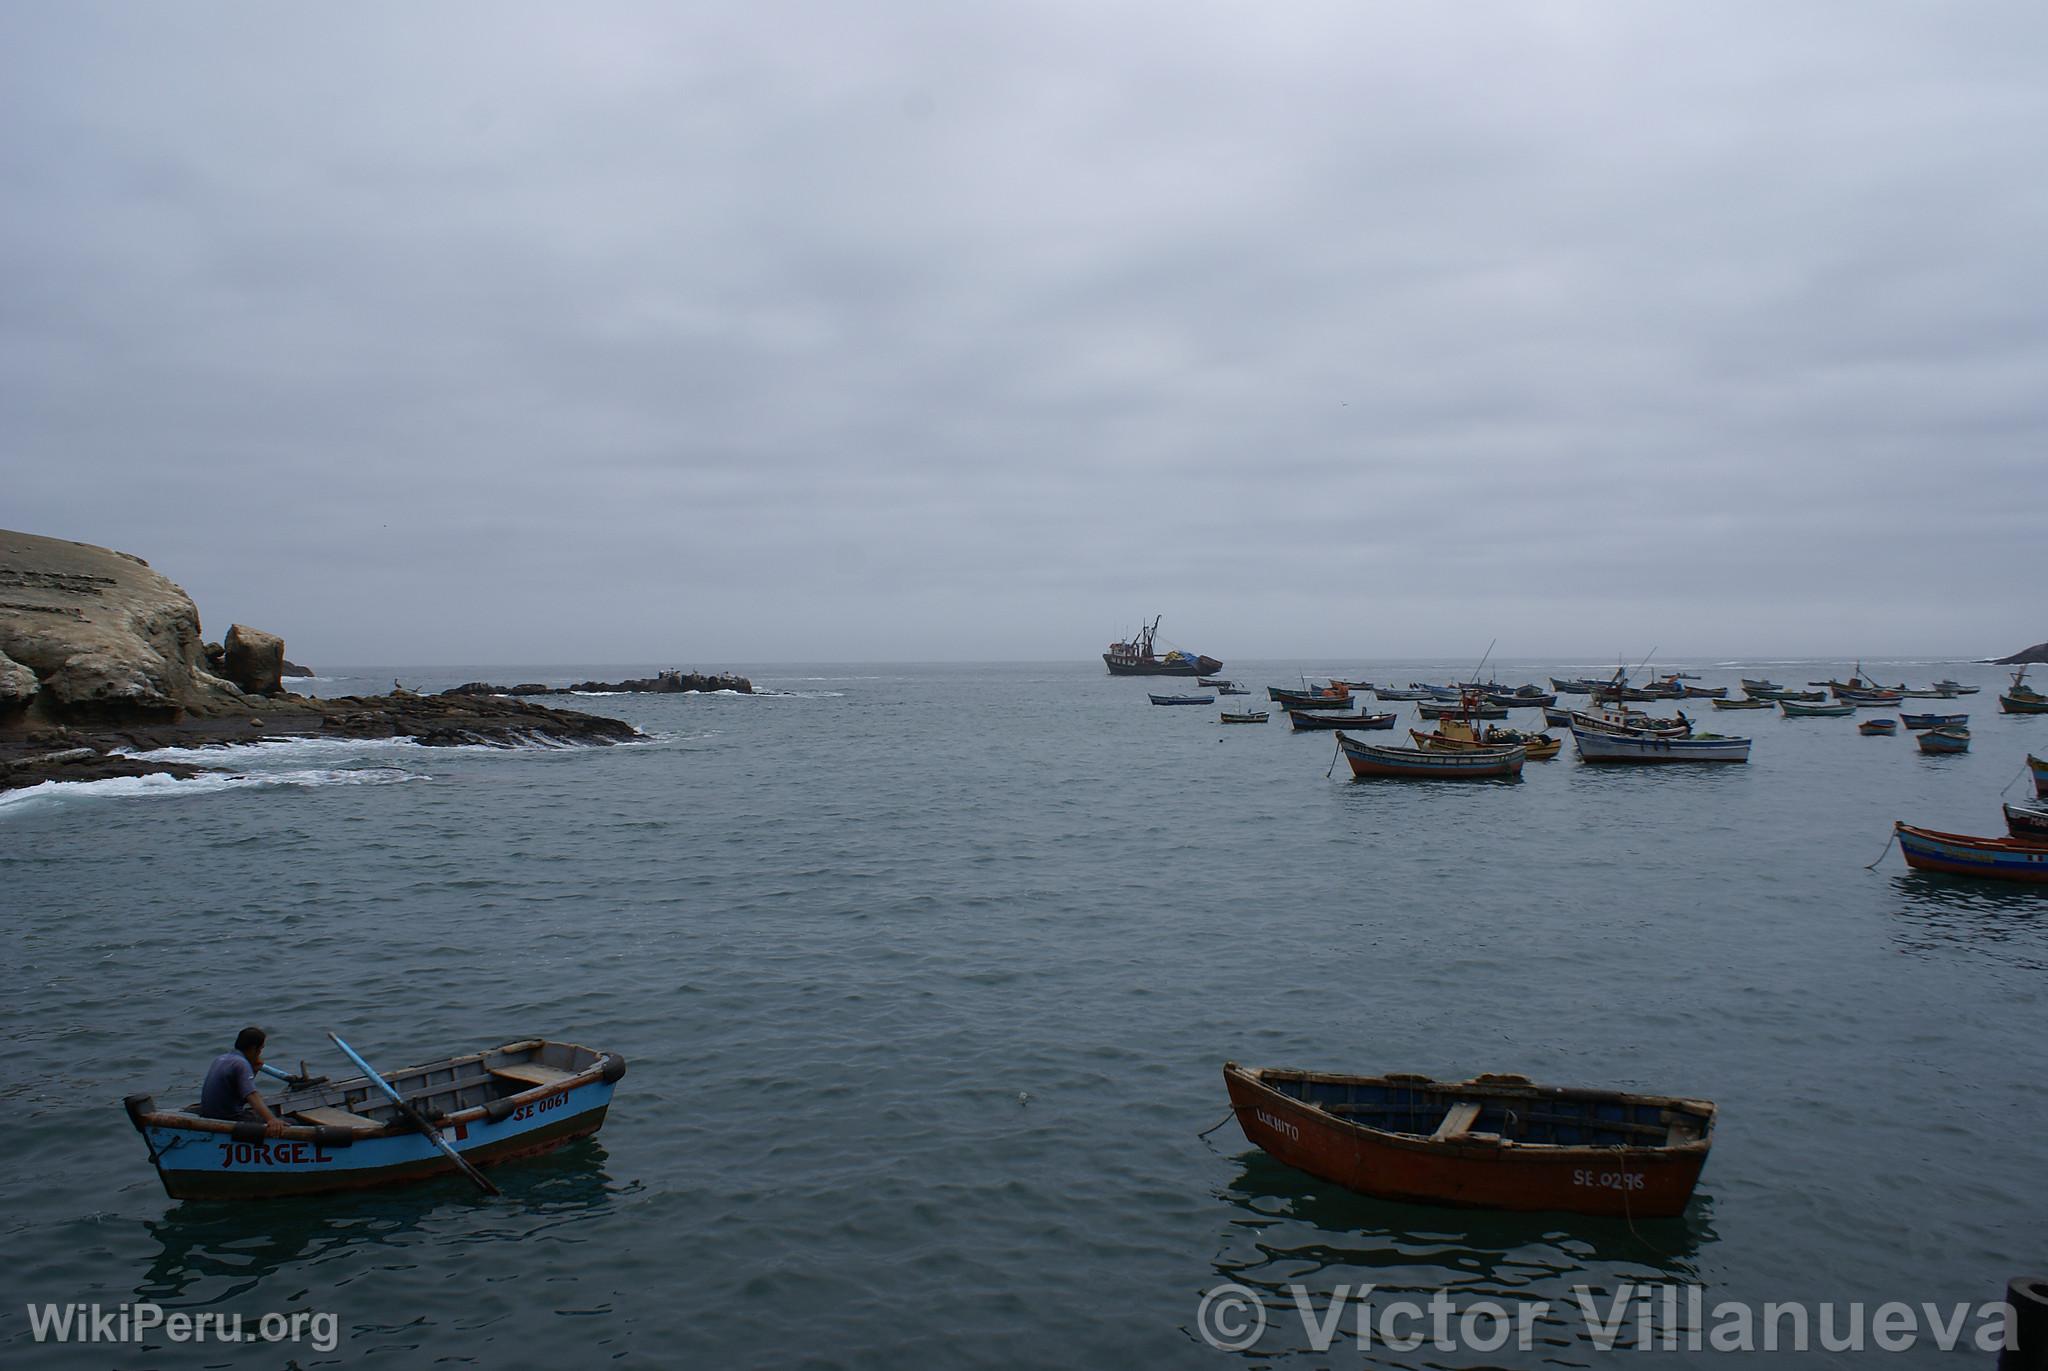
[230,1090]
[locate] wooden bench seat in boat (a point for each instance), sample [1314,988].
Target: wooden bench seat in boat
[526,1075]
[1457,1122]
[336,1118]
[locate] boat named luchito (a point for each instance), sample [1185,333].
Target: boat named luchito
[1959,854]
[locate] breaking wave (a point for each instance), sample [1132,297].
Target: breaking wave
[163,785]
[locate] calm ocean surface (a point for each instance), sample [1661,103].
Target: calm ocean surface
[926,975]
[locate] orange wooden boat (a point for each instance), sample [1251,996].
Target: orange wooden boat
[1493,1142]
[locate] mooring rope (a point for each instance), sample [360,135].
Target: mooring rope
[1219,1123]
[2024,769]
[1887,850]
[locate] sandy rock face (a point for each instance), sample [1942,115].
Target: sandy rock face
[104,636]
[253,660]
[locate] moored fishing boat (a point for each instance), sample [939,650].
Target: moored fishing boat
[1256,716]
[1948,687]
[1870,699]
[1878,728]
[1445,709]
[1557,718]
[1628,722]
[1319,696]
[1393,693]
[1305,721]
[1212,681]
[1795,710]
[1573,686]
[1958,854]
[1597,746]
[1407,763]
[1456,735]
[1182,699]
[1951,738]
[1758,685]
[1693,692]
[2039,769]
[1743,704]
[1804,697]
[2027,822]
[1493,1142]
[1528,697]
[519,1100]
[2023,698]
[1137,658]
[1918,721]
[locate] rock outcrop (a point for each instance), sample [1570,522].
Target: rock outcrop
[253,660]
[2026,656]
[667,683]
[292,670]
[101,656]
[105,637]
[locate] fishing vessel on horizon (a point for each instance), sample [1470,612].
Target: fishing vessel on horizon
[1137,658]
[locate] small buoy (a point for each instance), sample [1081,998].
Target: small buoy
[1023,1098]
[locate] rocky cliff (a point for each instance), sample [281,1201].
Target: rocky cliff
[91,635]
[100,656]
[2037,653]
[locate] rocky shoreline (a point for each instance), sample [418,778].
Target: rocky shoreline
[101,658]
[2030,656]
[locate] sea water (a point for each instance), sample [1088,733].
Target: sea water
[925,976]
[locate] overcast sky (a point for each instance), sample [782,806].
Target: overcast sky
[908,329]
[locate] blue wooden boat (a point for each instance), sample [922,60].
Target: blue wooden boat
[1599,746]
[1957,854]
[1944,741]
[519,1100]
[1182,699]
[1878,728]
[1390,693]
[1306,720]
[1919,721]
[1412,764]
[1557,718]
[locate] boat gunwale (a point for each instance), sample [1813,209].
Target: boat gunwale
[1497,1088]
[398,1125]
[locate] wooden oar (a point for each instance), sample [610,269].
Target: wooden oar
[419,1120]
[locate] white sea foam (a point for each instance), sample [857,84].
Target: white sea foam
[267,750]
[161,785]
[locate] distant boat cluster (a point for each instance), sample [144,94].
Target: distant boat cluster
[1464,744]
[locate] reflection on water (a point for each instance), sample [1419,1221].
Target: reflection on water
[1293,1230]
[2002,919]
[211,1251]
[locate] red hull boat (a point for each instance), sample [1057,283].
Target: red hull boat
[1493,1142]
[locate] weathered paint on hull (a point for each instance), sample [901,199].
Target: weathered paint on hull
[1955,854]
[197,1165]
[1474,1174]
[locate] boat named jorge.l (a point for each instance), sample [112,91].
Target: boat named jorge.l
[519,1100]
